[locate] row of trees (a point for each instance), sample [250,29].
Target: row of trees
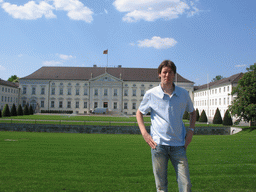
[16,112]
[227,120]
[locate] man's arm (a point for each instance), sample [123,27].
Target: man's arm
[147,137]
[190,132]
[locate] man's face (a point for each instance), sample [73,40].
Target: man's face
[167,75]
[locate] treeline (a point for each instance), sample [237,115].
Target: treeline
[16,112]
[217,119]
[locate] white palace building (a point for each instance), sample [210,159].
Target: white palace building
[120,90]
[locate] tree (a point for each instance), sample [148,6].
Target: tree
[203,117]
[26,111]
[6,111]
[13,110]
[244,105]
[227,120]
[31,111]
[19,111]
[13,79]
[217,117]
[0,113]
[217,78]
[197,115]
[185,115]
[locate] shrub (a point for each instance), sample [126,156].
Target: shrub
[13,110]
[26,111]
[19,111]
[31,111]
[0,113]
[6,111]
[185,115]
[197,115]
[217,117]
[188,118]
[227,120]
[203,117]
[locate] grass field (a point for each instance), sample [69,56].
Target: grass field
[94,162]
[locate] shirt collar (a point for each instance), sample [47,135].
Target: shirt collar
[175,92]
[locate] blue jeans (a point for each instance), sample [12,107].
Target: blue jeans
[160,156]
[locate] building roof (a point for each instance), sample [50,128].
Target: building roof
[229,80]
[8,83]
[86,73]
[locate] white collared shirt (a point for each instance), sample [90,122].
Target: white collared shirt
[167,127]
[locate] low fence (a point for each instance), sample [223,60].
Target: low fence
[103,129]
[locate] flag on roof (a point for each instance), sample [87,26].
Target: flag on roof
[105,52]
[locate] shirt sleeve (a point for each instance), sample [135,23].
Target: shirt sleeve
[190,107]
[145,104]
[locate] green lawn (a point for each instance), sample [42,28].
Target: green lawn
[104,162]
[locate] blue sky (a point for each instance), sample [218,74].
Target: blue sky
[201,36]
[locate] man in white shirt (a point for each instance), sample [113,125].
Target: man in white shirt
[168,138]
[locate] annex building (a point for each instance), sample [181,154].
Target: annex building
[9,93]
[82,89]
[209,97]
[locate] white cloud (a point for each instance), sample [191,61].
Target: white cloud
[31,10]
[52,63]
[106,11]
[76,9]
[2,68]
[150,10]
[65,57]
[158,43]
[240,65]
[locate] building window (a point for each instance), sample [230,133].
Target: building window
[142,92]
[224,89]
[69,104]
[33,90]
[24,91]
[115,92]
[85,104]
[215,101]
[96,92]
[125,106]
[85,91]
[42,104]
[224,101]
[52,104]
[228,89]
[219,101]
[228,101]
[134,92]
[215,91]
[105,104]
[126,92]
[219,90]
[60,104]
[61,91]
[133,105]
[53,91]
[69,91]
[24,103]
[77,91]
[95,105]
[77,104]
[105,92]
[115,105]
[42,91]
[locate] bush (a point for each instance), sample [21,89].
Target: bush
[56,111]
[185,115]
[227,120]
[13,110]
[6,111]
[26,111]
[203,117]
[217,119]
[19,111]
[197,115]
[31,111]
[0,113]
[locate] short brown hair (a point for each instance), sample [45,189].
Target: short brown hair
[167,63]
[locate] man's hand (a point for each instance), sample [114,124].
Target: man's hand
[188,138]
[147,137]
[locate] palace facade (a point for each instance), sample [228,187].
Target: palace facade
[82,89]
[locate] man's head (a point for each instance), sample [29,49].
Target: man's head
[166,63]
[166,72]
